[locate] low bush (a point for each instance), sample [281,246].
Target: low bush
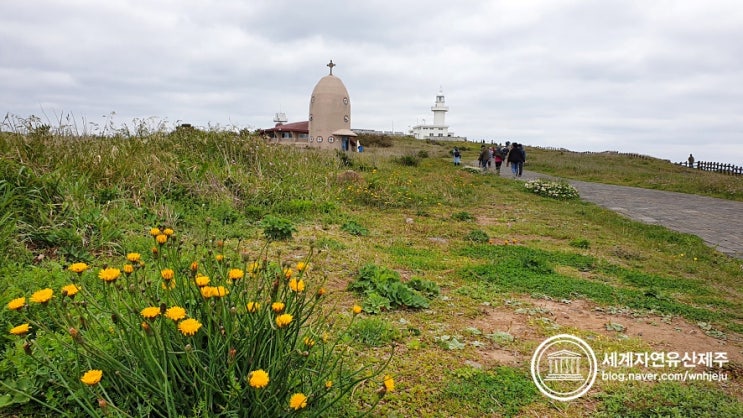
[554,189]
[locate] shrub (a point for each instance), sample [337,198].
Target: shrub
[277,229]
[555,189]
[408,160]
[181,333]
[477,236]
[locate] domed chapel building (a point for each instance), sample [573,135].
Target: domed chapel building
[329,124]
[330,113]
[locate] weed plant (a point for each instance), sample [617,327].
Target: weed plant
[183,331]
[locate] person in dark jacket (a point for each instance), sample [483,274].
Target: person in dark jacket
[515,159]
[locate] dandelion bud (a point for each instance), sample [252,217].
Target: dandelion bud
[114,318]
[233,310]
[187,348]
[232,354]
[102,404]
[27,348]
[163,308]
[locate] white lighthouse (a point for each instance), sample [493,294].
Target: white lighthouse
[438,130]
[439,110]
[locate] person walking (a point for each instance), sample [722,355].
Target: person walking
[515,159]
[483,158]
[691,161]
[498,159]
[457,156]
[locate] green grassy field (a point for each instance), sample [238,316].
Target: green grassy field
[436,256]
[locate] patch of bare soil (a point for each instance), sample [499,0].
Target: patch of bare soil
[663,334]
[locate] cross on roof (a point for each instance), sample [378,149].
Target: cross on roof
[331,65]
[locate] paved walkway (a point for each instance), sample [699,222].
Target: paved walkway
[718,222]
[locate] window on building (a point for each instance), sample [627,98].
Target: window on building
[286,135]
[303,136]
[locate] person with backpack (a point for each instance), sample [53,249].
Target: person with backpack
[498,155]
[457,156]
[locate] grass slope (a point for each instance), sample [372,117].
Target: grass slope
[405,207]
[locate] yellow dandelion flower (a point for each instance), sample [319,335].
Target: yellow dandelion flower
[283,320]
[309,342]
[220,291]
[194,266]
[278,307]
[357,309]
[202,281]
[150,312]
[328,384]
[298,401]
[168,285]
[22,329]
[258,378]
[296,285]
[189,326]
[219,258]
[155,232]
[176,313]
[161,239]
[168,231]
[301,266]
[16,304]
[389,383]
[42,296]
[70,290]
[253,306]
[128,269]
[288,273]
[321,291]
[92,377]
[235,274]
[167,274]
[78,268]
[254,267]
[134,257]
[109,274]
[145,326]
[207,291]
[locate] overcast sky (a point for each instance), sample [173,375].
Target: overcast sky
[662,78]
